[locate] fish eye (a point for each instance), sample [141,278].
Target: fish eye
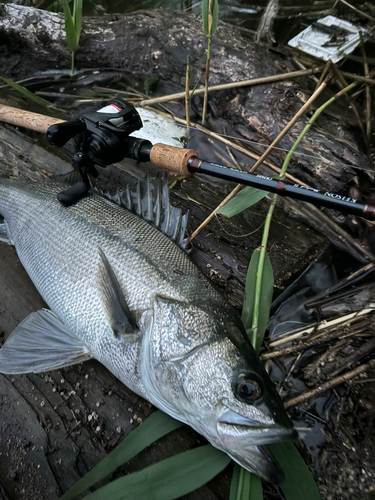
[247,388]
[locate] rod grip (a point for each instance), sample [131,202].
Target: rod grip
[26,119]
[171,158]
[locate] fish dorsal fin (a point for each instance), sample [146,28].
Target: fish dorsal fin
[40,343]
[149,198]
[118,312]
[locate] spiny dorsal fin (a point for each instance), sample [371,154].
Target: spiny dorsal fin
[149,198]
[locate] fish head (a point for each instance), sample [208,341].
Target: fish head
[200,368]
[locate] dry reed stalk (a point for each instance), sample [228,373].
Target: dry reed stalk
[228,86]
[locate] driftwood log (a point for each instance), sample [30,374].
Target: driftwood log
[54,427]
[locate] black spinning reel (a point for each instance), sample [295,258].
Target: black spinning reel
[100,138]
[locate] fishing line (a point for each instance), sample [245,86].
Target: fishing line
[296,153]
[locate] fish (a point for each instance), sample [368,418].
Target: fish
[122,289]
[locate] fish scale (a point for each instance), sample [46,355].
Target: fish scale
[123,292]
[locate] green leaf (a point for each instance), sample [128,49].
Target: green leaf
[156,426]
[265,296]
[245,485]
[70,32]
[169,479]
[299,482]
[26,93]
[210,7]
[215,16]
[247,197]
[77,18]
[205,5]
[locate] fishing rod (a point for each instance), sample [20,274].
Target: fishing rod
[103,137]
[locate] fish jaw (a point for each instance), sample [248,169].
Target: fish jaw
[245,442]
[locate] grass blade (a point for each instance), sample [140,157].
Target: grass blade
[205,7]
[77,18]
[265,296]
[26,93]
[156,426]
[299,482]
[245,485]
[247,197]
[70,32]
[169,479]
[215,17]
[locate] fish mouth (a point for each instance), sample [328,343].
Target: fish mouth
[245,441]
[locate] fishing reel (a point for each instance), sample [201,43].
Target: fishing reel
[100,138]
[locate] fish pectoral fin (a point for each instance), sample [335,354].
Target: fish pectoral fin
[40,343]
[4,233]
[118,312]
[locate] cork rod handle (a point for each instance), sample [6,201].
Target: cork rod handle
[171,158]
[27,119]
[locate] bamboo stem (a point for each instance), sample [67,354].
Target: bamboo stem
[228,86]
[286,129]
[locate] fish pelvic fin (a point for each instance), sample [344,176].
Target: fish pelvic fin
[118,312]
[40,343]
[149,199]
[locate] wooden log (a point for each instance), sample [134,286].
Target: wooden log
[157,43]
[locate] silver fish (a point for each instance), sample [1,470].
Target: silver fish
[122,292]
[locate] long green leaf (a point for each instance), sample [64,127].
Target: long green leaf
[70,31]
[169,479]
[245,485]
[206,5]
[265,296]
[156,426]
[77,18]
[247,197]
[215,16]
[26,93]
[299,483]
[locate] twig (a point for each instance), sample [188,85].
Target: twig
[341,79]
[303,345]
[324,72]
[312,120]
[306,396]
[368,93]
[187,95]
[358,11]
[303,333]
[234,85]
[231,195]
[358,78]
[354,357]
